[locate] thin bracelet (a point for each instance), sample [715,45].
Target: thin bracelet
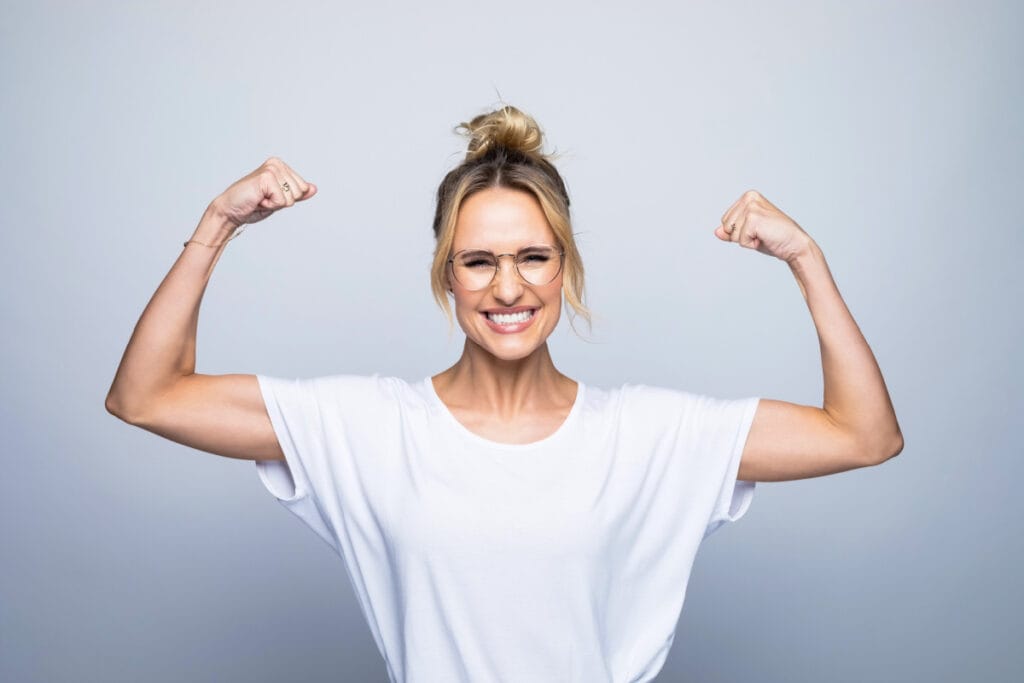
[240,231]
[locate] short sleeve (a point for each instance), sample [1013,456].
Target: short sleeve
[299,481]
[340,435]
[722,427]
[294,411]
[695,445]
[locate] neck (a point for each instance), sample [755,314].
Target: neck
[490,384]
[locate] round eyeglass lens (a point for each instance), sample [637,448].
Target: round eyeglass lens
[476,268]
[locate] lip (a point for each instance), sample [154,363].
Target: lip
[517,309]
[509,329]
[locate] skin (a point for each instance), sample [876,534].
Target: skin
[505,387]
[856,425]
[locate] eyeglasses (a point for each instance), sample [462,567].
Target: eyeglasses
[475,269]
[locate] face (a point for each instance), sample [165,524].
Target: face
[503,221]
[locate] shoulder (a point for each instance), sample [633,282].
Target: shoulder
[685,414]
[642,401]
[350,392]
[637,405]
[648,399]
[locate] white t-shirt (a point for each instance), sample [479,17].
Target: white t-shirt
[566,559]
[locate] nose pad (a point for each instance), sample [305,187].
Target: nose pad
[508,286]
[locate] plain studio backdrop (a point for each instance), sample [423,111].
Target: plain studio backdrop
[891,132]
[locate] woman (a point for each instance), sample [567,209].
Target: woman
[500,520]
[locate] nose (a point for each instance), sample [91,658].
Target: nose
[507,285]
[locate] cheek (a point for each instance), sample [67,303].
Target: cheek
[557,292]
[465,306]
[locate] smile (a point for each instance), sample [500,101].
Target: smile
[507,318]
[508,323]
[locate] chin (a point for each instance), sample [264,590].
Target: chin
[506,347]
[503,349]
[511,354]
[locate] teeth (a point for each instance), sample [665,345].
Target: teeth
[510,318]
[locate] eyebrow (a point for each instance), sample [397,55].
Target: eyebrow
[477,250]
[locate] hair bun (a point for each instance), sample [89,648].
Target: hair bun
[506,127]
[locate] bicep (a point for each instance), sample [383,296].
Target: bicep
[789,441]
[220,414]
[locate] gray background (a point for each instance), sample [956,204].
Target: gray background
[890,132]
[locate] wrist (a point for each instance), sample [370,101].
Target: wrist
[808,251]
[214,228]
[808,267]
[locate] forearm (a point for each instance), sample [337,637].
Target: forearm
[162,347]
[856,398]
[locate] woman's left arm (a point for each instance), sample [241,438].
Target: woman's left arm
[856,425]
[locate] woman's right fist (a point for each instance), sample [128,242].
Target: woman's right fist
[272,186]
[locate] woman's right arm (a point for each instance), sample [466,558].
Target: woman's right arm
[156,386]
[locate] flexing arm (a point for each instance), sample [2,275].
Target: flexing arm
[856,425]
[156,386]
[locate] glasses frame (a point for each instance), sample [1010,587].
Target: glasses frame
[515,265]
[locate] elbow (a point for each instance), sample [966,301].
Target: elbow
[889,448]
[111,405]
[897,444]
[117,409]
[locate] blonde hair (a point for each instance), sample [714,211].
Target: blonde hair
[505,151]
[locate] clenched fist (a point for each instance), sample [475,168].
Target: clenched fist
[756,223]
[272,186]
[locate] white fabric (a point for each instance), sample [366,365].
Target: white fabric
[562,560]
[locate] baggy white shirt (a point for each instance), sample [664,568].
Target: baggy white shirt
[566,559]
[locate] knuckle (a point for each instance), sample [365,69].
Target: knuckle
[751,195]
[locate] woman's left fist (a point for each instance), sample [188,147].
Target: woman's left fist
[756,223]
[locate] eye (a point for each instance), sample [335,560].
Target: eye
[478,263]
[535,257]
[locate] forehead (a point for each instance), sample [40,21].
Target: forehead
[501,219]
